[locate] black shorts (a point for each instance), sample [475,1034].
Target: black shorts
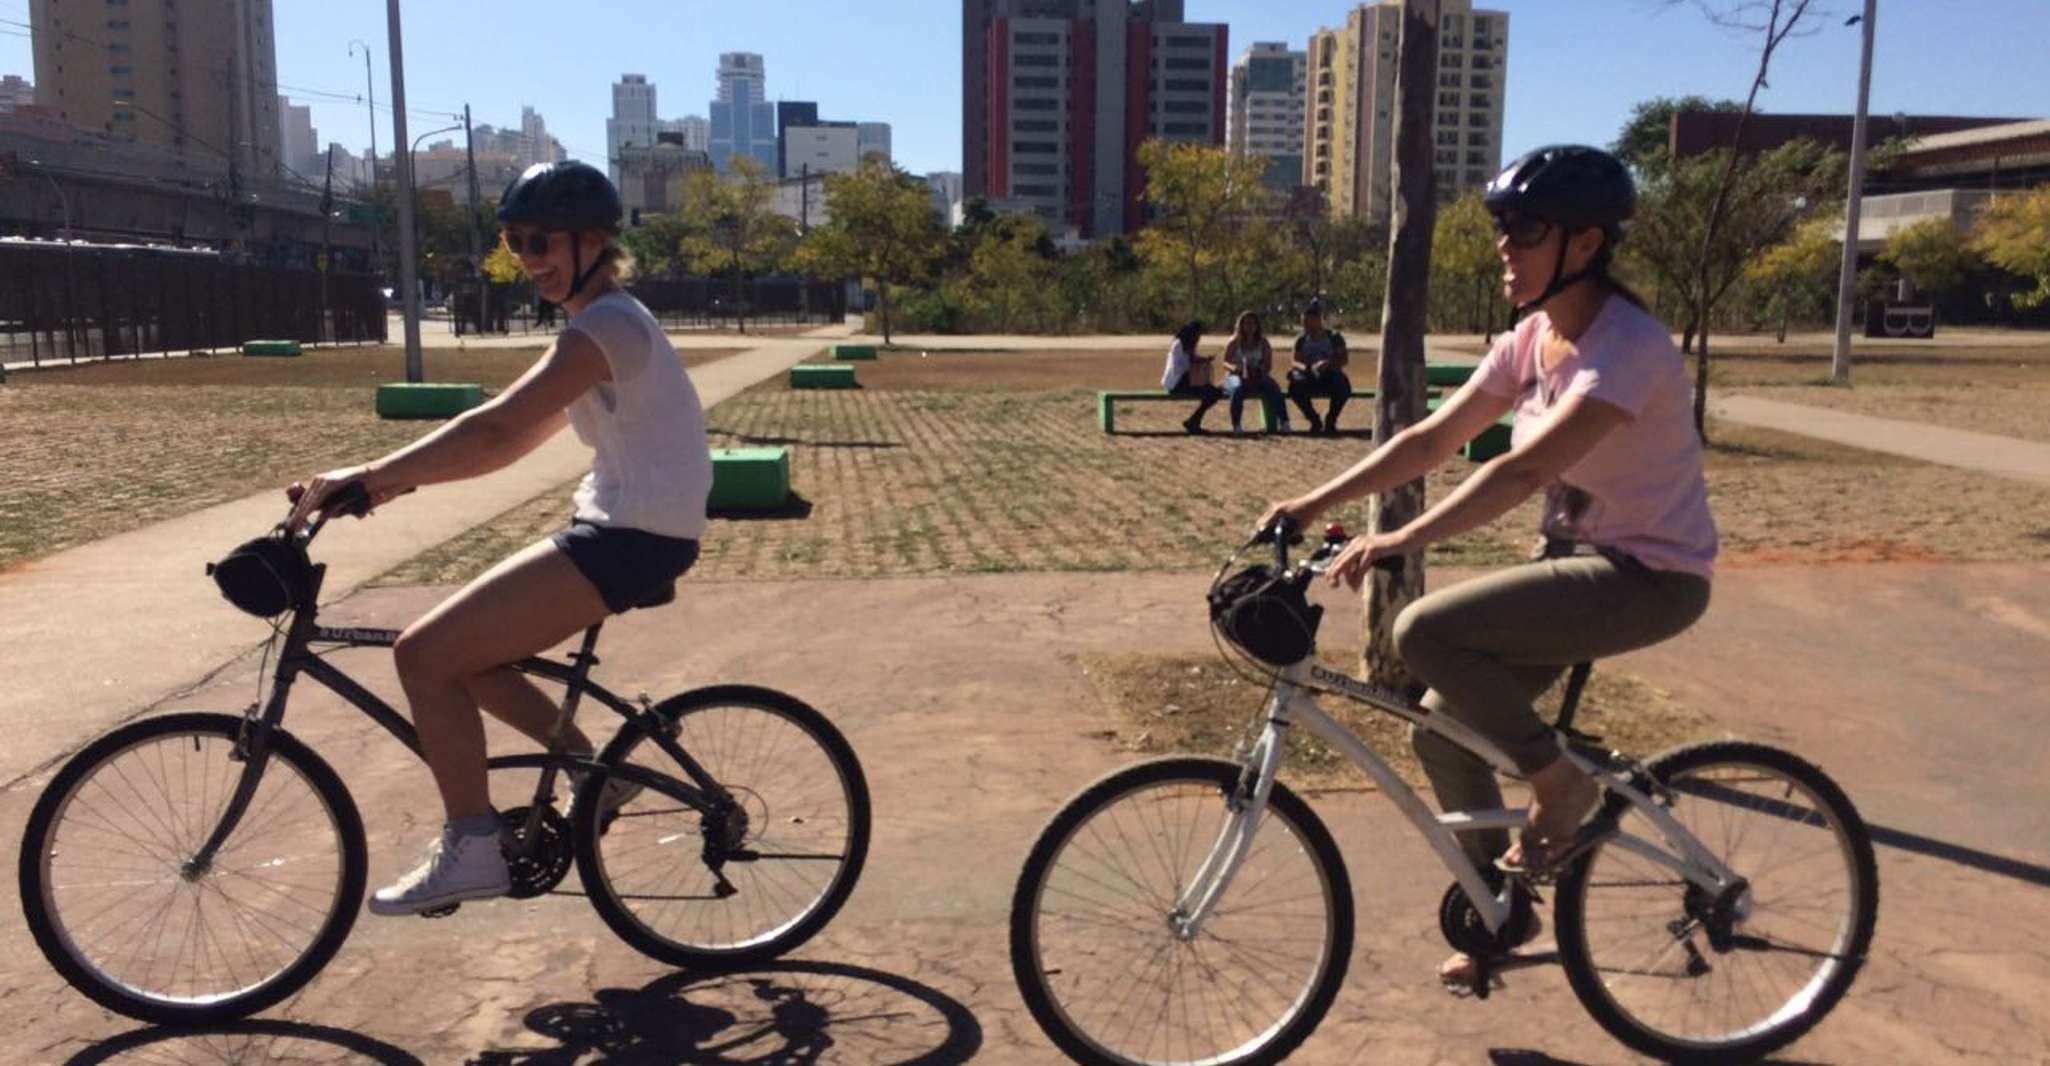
[629,567]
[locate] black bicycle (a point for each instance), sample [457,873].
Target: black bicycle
[197,867]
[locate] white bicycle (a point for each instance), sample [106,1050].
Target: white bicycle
[1194,910]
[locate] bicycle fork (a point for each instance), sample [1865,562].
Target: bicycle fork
[1247,804]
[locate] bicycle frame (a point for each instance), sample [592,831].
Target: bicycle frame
[298,656]
[1293,703]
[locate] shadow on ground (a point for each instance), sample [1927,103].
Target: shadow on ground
[790,1013]
[252,1041]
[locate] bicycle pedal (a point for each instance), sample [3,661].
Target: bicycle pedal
[440,912]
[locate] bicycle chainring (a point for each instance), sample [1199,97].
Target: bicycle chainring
[536,870]
[1460,921]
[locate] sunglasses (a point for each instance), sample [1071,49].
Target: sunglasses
[1523,231]
[526,242]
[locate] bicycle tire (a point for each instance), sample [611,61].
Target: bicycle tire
[1033,970]
[833,829]
[91,976]
[1814,997]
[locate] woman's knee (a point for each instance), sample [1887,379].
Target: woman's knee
[1416,632]
[424,654]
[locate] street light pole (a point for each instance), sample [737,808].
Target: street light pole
[409,270]
[370,109]
[1847,276]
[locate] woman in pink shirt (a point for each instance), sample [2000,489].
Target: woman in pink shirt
[1604,429]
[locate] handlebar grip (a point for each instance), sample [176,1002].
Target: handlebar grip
[352,499]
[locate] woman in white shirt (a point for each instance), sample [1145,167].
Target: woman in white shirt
[614,377]
[1188,374]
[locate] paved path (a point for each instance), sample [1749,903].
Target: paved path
[1918,687]
[91,635]
[2005,456]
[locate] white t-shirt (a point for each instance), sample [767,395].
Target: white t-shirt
[1178,363]
[1641,489]
[653,467]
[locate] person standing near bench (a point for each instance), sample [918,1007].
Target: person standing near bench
[1250,358]
[1319,370]
[1188,374]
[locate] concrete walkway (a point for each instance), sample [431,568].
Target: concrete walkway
[2004,456]
[92,635]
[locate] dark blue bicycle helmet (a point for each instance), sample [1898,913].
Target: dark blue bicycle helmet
[1571,186]
[568,195]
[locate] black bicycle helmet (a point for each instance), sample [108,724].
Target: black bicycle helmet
[568,195]
[1571,186]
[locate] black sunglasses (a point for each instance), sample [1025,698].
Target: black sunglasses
[529,242]
[1523,231]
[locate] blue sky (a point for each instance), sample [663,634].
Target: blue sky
[1575,66]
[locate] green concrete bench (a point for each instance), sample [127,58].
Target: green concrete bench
[1491,442]
[426,399]
[1439,375]
[845,352]
[1108,399]
[748,479]
[821,376]
[270,348]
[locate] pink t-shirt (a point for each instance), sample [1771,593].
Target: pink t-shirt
[1641,490]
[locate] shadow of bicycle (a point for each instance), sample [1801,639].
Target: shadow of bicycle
[251,1042]
[779,1014]
[1519,1057]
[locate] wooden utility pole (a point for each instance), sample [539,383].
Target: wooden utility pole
[476,274]
[327,217]
[402,159]
[1403,312]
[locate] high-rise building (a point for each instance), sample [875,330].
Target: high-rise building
[834,149]
[790,115]
[946,195]
[1267,110]
[1349,111]
[872,138]
[694,131]
[196,80]
[653,177]
[743,120]
[298,141]
[633,117]
[534,145]
[1067,90]
[15,92]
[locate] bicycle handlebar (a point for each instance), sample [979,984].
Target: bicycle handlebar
[1285,532]
[352,499]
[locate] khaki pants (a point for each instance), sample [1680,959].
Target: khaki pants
[1490,646]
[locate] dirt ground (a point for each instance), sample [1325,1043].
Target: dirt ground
[102,448]
[2001,389]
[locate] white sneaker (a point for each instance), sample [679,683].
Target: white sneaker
[618,792]
[456,868]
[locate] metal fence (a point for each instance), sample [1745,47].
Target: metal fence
[679,303]
[67,302]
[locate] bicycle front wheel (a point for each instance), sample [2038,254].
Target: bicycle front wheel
[1094,943]
[691,888]
[117,904]
[1687,978]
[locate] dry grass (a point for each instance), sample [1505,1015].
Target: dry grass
[2002,389]
[1157,704]
[103,448]
[978,480]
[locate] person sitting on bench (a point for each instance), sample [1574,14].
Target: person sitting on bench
[1188,374]
[1250,358]
[1318,370]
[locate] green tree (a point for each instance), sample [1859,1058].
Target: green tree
[503,267]
[1012,272]
[1646,140]
[731,227]
[1931,254]
[1466,270]
[1201,195]
[2013,233]
[1799,273]
[882,227]
[657,242]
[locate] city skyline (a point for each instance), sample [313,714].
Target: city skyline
[1928,61]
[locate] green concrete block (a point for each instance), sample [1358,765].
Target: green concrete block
[1493,441]
[854,351]
[270,348]
[749,478]
[821,376]
[426,399]
[1453,374]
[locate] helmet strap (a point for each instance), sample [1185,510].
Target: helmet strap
[1561,281]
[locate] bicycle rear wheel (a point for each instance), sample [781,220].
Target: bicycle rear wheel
[1101,966]
[1686,978]
[112,898]
[690,888]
